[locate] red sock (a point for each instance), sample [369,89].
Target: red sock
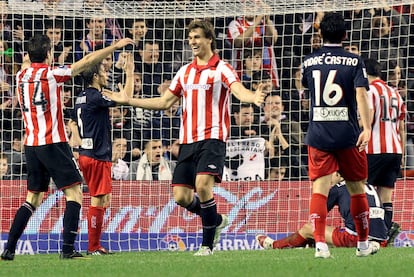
[293,240]
[95,220]
[360,214]
[318,213]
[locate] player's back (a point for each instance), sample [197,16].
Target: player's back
[92,117]
[339,196]
[332,74]
[39,90]
[389,111]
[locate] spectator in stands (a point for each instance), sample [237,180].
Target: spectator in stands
[358,21]
[152,68]
[10,118]
[95,37]
[304,112]
[68,100]
[252,31]
[120,168]
[165,125]
[316,41]
[6,71]
[152,166]
[283,136]
[252,61]
[298,31]
[140,116]
[115,71]
[391,72]
[276,170]
[17,157]
[292,94]
[259,77]
[61,54]
[242,125]
[382,45]
[12,34]
[139,32]
[121,121]
[4,167]
[352,46]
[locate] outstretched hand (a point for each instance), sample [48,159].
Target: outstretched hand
[120,97]
[260,95]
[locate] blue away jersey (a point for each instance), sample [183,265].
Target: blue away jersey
[339,196]
[332,74]
[94,125]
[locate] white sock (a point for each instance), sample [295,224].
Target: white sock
[321,246]
[363,245]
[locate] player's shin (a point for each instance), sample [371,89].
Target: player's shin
[209,220]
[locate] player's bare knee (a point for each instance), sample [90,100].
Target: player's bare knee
[73,193]
[35,199]
[182,196]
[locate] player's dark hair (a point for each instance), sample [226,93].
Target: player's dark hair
[333,28]
[207,28]
[89,73]
[38,48]
[372,67]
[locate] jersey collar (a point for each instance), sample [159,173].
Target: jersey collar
[214,60]
[332,44]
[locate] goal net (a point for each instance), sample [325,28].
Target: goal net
[265,186]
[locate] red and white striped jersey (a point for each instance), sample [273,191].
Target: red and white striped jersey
[389,110]
[238,27]
[39,93]
[205,91]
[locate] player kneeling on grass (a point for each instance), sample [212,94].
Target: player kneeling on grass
[337,236]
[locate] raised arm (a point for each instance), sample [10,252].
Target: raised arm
[97,56]
[128,68]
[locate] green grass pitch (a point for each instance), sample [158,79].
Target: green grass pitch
[290,262]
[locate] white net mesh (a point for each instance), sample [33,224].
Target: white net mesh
[143,215]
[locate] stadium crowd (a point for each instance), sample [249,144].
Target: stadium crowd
[262,49]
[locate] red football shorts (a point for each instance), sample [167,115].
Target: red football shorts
[350,163]
[341,238]
[97,175]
